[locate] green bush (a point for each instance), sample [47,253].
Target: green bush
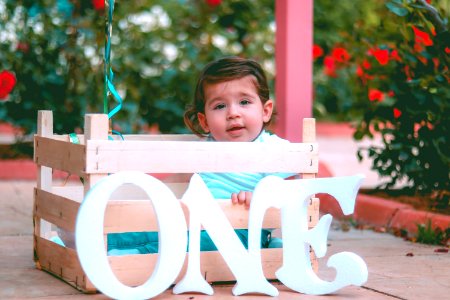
[395,69]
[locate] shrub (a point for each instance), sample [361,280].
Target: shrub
[397,79]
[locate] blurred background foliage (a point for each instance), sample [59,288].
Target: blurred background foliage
[382,65]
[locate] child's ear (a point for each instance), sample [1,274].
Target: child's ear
[267,110]
[203,123]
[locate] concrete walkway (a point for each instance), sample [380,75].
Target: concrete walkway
[397,269]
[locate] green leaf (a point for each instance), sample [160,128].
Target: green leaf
[397,9]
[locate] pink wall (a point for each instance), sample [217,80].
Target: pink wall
[293,58]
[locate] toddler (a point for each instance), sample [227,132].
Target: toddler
[231,104]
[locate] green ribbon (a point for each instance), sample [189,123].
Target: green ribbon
[109,88]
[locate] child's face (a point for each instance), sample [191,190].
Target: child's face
[233,110]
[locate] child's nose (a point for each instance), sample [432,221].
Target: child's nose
[233,112]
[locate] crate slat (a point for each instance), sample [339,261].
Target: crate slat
[194,157]
[134,270]
[60,155]
[56,209]
[63,263]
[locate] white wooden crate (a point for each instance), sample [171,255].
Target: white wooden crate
[56,205]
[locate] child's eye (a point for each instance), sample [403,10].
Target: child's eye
[245,102]
[219,106]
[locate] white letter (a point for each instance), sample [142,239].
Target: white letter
[296,272]
[245,265]
[172,237]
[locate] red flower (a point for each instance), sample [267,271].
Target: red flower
[340,54]
[397,113]
[98,4]
[213,2]
[359,71]
[381,55]
[366,64]
[317,51]
[330,66]
[7,83]
[422,37]
[447,50]
[376,95]
[391,93]
[395,56]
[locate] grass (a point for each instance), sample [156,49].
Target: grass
[426,234]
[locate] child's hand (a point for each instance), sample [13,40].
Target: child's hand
[243,197]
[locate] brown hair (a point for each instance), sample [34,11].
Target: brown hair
[221,70]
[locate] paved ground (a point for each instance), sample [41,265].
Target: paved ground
[397,269]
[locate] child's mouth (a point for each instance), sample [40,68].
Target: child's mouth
[235,128]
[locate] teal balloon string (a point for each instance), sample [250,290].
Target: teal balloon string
[109,88]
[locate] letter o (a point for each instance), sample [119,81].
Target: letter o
[90,243]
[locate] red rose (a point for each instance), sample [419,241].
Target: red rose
[317,51]
[98,4]
[376,95]
[359,71]
[330,66]
[366,64]
[340,54]
[381,55]
[213,2]
[422,37]
[397,113]
[395,56]
[7,83]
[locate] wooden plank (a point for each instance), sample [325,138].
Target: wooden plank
[309,130]
[138,215]
[134,270]
[60,155]
[44,129]
[158,137]
[137,137]
[44,179]
[309,136]
[63,263]
[215,269]
[56,209]
[96,127]
[313,212]
[191,157]
[124,192]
